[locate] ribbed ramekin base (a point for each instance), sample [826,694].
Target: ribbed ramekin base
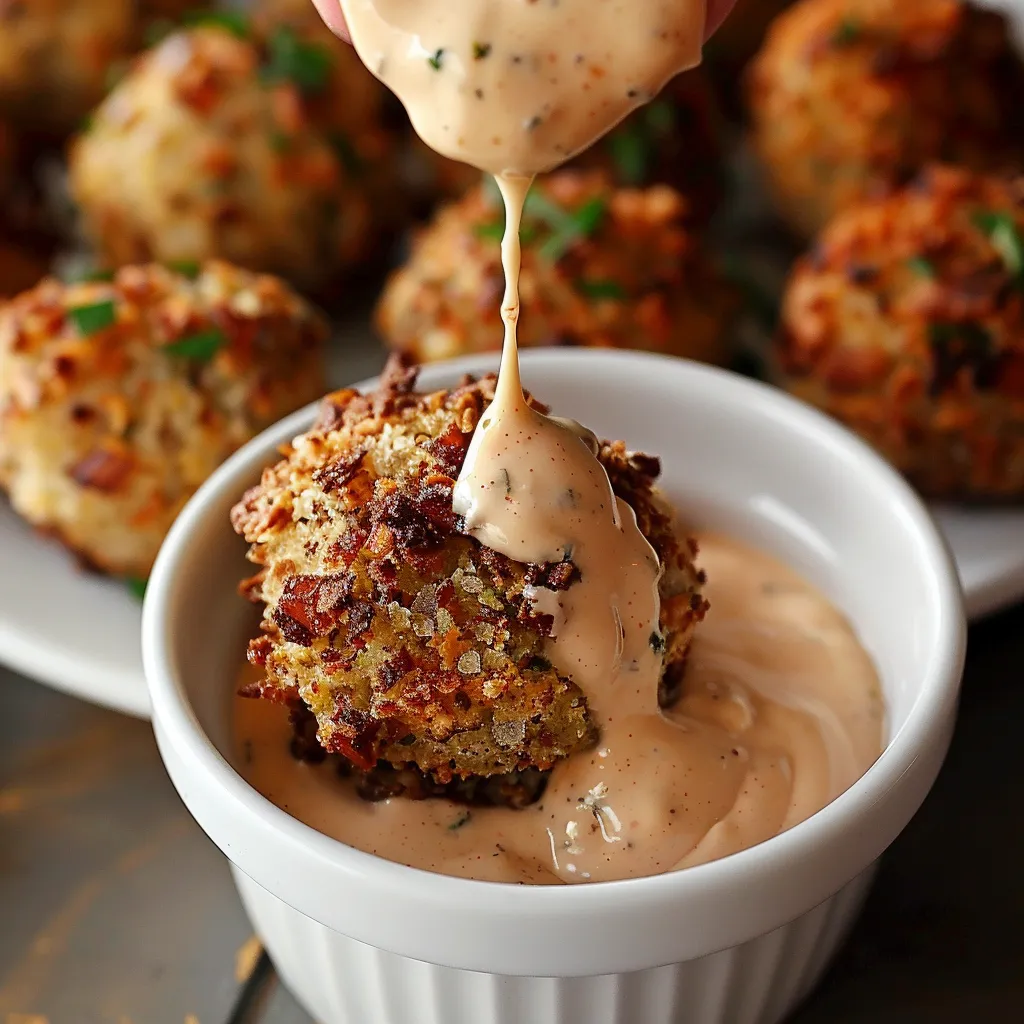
[342,981]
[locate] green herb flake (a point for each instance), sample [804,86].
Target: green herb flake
[598,289]
[306,65]
[347,154]
[921,266]
[847,32]
[231,21]
[137,586]
[436,59]
[480,50]
[186,268]
[657,642]
[1005,238]
[200,347]
[660,117]
[96,317]
[630,154]
[566,227]
[539,664]
[494,231]
[462,819]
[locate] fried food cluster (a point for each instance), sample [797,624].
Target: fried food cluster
[119,398]
[906,322]
[849,98]
[410,642]
[602,267]
[207,149]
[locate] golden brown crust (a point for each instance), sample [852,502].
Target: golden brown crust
[906,321]
[631,276]
[193,156]
[849,98]
[411,642]
[117,399]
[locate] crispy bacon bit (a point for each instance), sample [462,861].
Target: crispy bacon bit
[333,409]
[312,603]
[101,470]
[360,617]
[393,670]
[449,448]
[539,622]
[396,382]
[649,465]
[354,736]
[339,471]
[421,519]
[552,575]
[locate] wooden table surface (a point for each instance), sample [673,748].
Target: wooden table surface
[116,909]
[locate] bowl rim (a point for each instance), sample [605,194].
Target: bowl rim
[914,753]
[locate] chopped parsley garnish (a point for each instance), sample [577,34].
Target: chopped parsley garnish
[201,346]
[306,65]
[96,317]
[632,147]
[1005,238]
[847,31]
[347,154]
[436,59]
[566,226]
[494,231]
[187,268]
[137,586]
[600,289]
[921,266]
[480,50]
[461,820]
[231,21]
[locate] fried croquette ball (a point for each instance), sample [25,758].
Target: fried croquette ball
[906,322]
[404,636]
[849,98]
[602,267]
[197,154]
[119,398]
[55,56]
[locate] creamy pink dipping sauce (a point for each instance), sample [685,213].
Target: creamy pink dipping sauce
[781,711]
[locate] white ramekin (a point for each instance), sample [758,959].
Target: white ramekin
[739,941]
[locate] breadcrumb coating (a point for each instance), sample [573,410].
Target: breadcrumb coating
[410,642]
[602,267]
[906,322]
[850,98]
[119,398]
